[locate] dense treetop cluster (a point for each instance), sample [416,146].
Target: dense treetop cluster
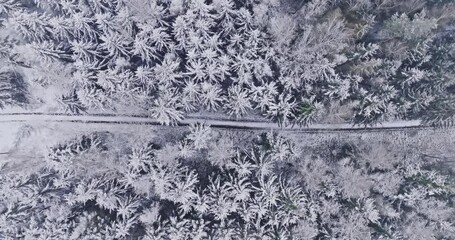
[203,186]
[294,62]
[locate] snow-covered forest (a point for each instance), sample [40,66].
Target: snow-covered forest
[289,63]
[205,186]
[293,62]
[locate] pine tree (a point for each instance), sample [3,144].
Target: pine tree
[13,89]
[439,113]
[166,108]
[237,102]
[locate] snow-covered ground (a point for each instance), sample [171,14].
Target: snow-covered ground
[124,119]
[8,133]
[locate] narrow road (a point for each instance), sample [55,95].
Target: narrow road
[215,123]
